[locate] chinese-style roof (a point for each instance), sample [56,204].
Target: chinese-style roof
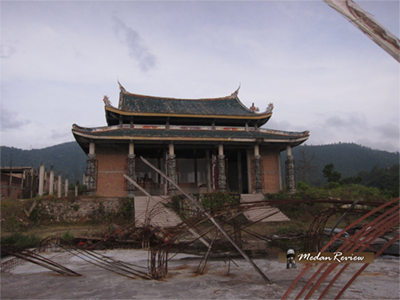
[227,110]
[147,133]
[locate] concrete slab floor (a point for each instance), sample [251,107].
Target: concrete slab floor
[28,281]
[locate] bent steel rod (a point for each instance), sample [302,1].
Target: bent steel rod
[191,230]
[194,202]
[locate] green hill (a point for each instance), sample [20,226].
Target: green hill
[349,159]
[67,158]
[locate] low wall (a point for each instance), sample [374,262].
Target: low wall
[79,209]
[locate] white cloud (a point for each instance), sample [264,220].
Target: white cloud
[137,49]
[321,73]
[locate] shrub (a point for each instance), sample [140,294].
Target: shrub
[67,236]
[302,186]
[20,241]
[218,199]
[128,209]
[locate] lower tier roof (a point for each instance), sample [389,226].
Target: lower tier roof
[186,134]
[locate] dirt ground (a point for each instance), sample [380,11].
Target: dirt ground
[28,281]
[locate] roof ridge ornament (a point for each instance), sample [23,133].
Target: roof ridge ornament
[235,93]
[270,108]
[121,88]
[254,108]
[107,101]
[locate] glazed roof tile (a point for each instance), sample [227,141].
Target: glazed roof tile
[224,106]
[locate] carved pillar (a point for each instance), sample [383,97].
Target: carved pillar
[91,170]
[249,173]
[171,170]
[240,177]
[257,170]
[130,170]
[221,169]
[208,168]
[290,176]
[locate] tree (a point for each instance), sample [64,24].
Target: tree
[304,167]
[330,174]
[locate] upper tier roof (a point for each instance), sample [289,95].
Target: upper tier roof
[224,110]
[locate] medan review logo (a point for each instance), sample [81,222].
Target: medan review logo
[291,258]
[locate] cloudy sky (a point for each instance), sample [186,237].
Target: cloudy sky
[58,60]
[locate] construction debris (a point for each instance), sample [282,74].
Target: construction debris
[218,232]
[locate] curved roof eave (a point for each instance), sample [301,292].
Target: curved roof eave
[244,117]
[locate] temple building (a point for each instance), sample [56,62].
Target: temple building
[205,145]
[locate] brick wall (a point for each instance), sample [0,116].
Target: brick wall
[16,190]
[271,170]
[111,167]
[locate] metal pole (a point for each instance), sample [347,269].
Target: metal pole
[212,220]
[148,195]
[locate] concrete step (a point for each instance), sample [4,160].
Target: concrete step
[259,213]
[153,208]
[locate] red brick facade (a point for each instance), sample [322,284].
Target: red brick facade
[271,170]
[112,163]
[111,168]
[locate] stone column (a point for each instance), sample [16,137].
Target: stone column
[290,177]
[66,187]
[41,179]
[51,185]
[131,170]
[171,169]
[249,175]
[59,191]
[195,170]
[221,169]
[208,168]
[91,170]
[257,169]
[240,178]
[280,170]
[92,154]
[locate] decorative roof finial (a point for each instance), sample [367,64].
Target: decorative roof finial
[270,108]
[107,101]
[237,91]
[121,88]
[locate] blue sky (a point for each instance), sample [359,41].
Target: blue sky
[58,60]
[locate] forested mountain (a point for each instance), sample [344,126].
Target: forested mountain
[68,158]
[348,159]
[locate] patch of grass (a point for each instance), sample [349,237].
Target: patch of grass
[20,241]
[292,227]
